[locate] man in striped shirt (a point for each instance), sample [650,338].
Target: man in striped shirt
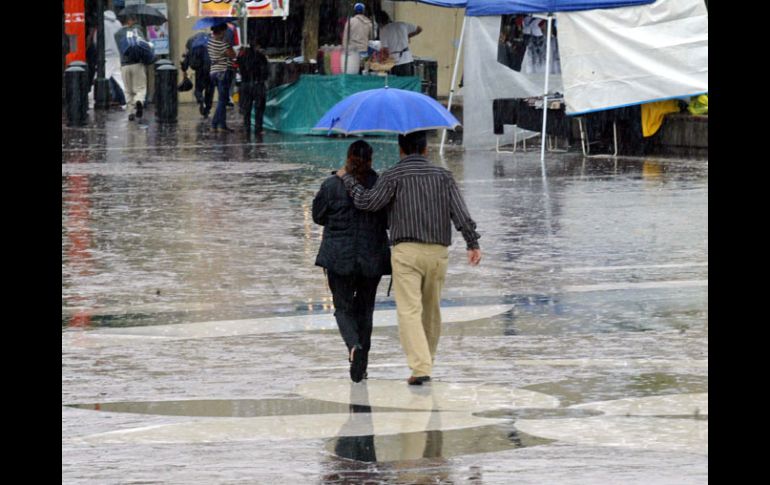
[422,200]
[221,54]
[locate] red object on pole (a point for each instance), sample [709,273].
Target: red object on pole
[75,27]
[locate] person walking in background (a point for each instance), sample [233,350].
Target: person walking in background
[354,253]
[221,55]
[395,36]
[196,56]
[135,52]
[254,70]
[111,59]
[422,201]
[112,56]
[355,38]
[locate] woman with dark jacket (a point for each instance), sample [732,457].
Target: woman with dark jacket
[354,253]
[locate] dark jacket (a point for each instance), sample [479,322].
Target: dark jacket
[354,241]
[143,53]
[253,65]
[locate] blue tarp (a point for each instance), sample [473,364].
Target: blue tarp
[440,3]
[480,8]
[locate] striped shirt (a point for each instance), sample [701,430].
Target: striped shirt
[422,200]
[219,61]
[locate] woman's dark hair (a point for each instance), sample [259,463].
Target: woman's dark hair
[359,160]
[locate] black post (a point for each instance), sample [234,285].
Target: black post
[166,93]
[84,79]
[74,80]
[158,63]
[101,85]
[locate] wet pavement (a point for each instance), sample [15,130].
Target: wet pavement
[198,344]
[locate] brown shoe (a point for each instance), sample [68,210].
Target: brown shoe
[417,381]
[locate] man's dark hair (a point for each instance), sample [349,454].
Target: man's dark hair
[382,17]
[413,143]
[219,28]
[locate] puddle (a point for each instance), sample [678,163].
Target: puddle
[232,408]
[431,444]
[362,432]
[619,386]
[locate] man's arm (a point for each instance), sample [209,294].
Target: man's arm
[459,214]
[373,199]
[416,31]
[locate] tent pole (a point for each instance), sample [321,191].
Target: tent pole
[245,12]
[454,78]
[347,46]
[545,94]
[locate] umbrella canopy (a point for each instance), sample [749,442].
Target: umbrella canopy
[145,14]
[440,3]
[208,22]
[386,110]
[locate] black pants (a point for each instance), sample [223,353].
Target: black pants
[403,69]
[253,96]
[204,90]
[353,297]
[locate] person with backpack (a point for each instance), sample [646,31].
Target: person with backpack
[196,57]
[135,52]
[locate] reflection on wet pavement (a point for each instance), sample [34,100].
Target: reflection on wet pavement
[597,350]
[233,408]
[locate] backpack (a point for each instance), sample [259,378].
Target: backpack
[135,49]
[198,57]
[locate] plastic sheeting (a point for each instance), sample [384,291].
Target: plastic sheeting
[625,56]
[485,79]
[297,107]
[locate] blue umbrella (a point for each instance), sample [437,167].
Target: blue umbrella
[386,110]
[208,22]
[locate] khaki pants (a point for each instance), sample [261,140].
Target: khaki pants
[419,271]
[135,79]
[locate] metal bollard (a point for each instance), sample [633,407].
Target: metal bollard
[73,81]
[157,64]
[166,94]
[85,88]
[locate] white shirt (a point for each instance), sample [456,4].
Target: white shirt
[395,36]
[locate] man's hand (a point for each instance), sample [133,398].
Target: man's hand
[341,172]
[474,257]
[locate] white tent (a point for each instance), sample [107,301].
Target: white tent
[611,56]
